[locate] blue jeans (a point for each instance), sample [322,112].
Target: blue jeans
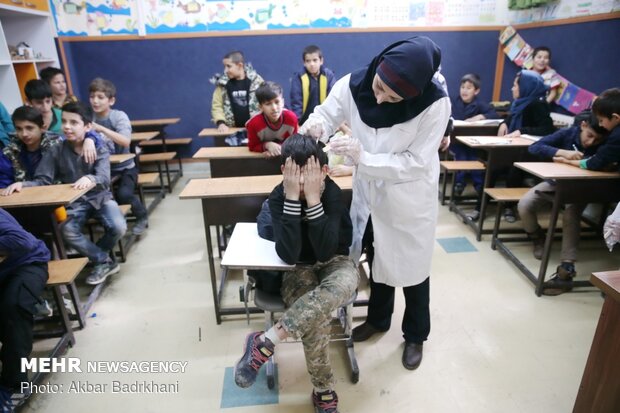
[109,215]
[465,153]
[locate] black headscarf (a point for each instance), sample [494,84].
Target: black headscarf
[407,67]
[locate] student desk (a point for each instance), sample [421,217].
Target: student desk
[143,136]
[501,153]
[231,200]
[487,127]
[121,157]
[600,385]
[229,161]
[573,184]
[34,207]
[215,133]
[157,125]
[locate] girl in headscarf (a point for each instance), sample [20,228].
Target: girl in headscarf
[529,112]
[398,114]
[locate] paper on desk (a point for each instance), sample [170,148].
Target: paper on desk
[483,122]
[531,137]
[488,140]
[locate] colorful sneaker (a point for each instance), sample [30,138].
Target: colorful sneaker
[325,402]
[102,271]
[255,354]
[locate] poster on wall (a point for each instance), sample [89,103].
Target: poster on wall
[95,17]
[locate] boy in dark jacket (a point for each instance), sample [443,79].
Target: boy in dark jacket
[312,229]
[23,275]
[581,140]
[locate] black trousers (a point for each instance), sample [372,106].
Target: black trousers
[126,192]
[18,295]
[416,324]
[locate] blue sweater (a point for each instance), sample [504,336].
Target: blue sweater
[462,110]
[19,246]
[565,138]
[608,153]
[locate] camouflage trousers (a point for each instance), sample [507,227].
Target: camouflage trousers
[312,293]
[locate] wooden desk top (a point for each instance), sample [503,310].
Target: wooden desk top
[155,122]
[215,133]
[49,195]
[226,152]
[242,185]
[121,157]
[247,250]
[493,141]
[553,170]
[143,136]
[491,123]
[608,282]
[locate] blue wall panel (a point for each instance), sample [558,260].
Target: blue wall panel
[169,77]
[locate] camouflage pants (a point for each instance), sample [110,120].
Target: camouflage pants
[312,293]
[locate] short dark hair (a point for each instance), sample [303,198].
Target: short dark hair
[28,114]
[607,103]
[236,56]
[48,73]
[102,85]
[541,49]
[589,118]
[472,78]
[37,89]
[268,91]
[301,147]
[311,49]
[85,112]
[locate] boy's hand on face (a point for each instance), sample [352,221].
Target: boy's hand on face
[291,181]
[272,149]
[14,187]
[570,155]
[313,178]
[89,152]
[222,127]
[83,183]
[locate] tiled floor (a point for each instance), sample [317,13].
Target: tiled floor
[494,345]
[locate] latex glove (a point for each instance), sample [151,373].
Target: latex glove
[314,127]
[347,146]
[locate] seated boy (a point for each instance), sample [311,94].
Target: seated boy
[20,158]
[579,141]
[56,79]
[468,107]
[269,128]
[116,128]
[311,86]
[63,163]
[234,100]
[23,275]
[312,229]
[39,95]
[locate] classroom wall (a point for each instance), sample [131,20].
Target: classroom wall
[170,77]
[584,53]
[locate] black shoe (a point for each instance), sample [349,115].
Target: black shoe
[561,282]
[458,189]
[364,331]
[412,355]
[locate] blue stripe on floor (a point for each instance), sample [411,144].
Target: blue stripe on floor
[457,244]
[258,394]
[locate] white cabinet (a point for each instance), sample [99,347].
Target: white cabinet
[35,28]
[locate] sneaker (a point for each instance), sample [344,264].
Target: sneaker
[255,354]
[473,215]
[68,305]
[459,187]
[325,402]
[6,404]
[140,226]
[561,282]
[101,271]
[43,309]
[509,215]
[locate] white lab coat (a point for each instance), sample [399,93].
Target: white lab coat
[396,181]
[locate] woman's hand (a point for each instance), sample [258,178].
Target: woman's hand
[291,180]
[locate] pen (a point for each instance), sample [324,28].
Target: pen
[575,148]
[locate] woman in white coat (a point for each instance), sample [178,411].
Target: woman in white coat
[398,114]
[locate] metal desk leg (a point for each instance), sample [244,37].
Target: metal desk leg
[553,220]
[216,303]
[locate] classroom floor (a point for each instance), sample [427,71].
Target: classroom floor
[494,345]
